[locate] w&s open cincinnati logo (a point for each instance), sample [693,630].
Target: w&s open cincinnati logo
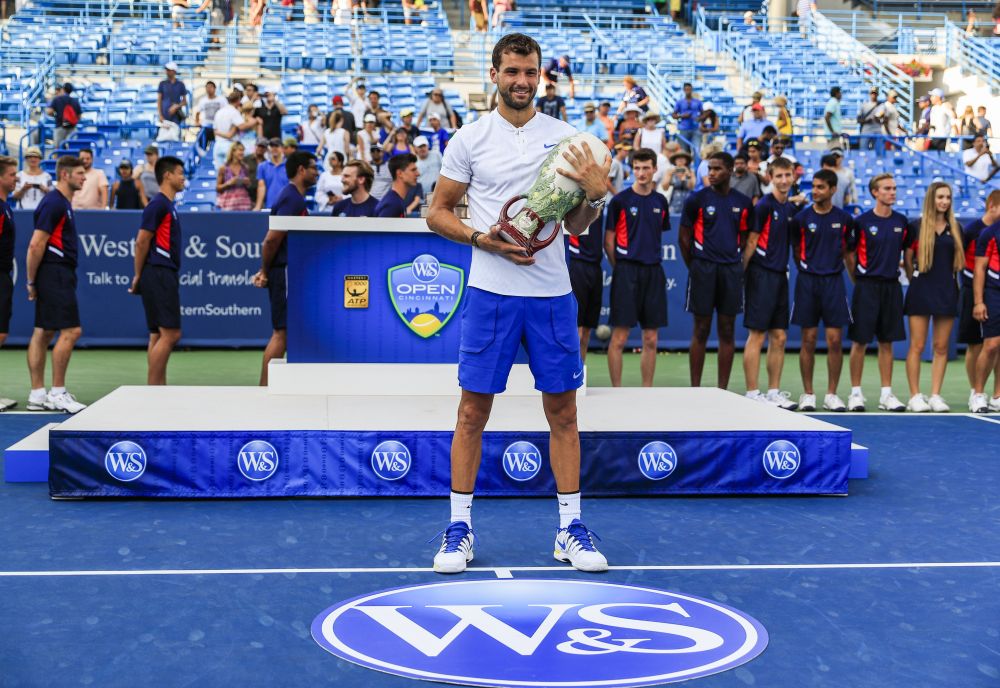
[539,633]
[426,293]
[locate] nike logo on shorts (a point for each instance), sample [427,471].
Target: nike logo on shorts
[576,376]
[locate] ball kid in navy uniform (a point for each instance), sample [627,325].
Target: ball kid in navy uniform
[879,237]
[970,331]
[586,276]
[636,220]
[986,292]
[8,181]
[157,267]
[302,174]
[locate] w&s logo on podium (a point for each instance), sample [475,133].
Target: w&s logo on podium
[426,293]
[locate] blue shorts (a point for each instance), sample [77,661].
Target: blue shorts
[494,327]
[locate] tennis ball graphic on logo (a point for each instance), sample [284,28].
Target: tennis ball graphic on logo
[425,322]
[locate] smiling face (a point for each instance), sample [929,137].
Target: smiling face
[516,79]
[942,199]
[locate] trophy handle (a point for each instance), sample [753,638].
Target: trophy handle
[537,245]
[506,206]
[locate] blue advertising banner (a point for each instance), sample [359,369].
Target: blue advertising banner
[219,304]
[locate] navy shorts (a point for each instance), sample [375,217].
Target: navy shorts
[588,288]
[765,303]
[970,330]
[877,306]
[277,291]
[494,327]
[160,289]
[6,301]
[56,307]
[714,287]
[638,295]
[991,328]
[820,298]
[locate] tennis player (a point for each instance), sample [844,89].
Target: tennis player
[513,298]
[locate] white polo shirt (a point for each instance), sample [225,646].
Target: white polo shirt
[499,161]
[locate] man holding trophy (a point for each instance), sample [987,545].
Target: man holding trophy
[519,290]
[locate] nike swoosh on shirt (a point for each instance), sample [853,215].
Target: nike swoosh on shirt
[549,145]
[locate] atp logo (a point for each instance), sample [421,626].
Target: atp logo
[425,293]
[657,460]
[522,461]
[537,632]
[391,460]
[257,460]
[125,461]
[782,459]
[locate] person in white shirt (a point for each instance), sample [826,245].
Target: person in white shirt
[312,128]
[335,139]
[32,182]
[979,162]
[382,177]
[428,163]
[368,139]
[940,121]
[357,99]
[226,123]
[513,296]
[330,187]
[205,111]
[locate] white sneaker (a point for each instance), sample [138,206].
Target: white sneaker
[995,404]
[38,402]
[937,404]
[755,396]
[979,404]
[807,402]
[782,400]
[573,544]
[7,404]
[831,402]
[456,548]
[972,395]
[856,402]
[889,402]
[64,402]
[917,404]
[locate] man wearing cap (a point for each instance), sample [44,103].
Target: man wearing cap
[555,68]
[753,128]
[270,114]
[126,193]
[66,111]
[253,160]
[382,177]
[145,172]
[272,172]
[368,138]
[621,169]
[940,120]
[411,129]
[439,135]
[226,124]
[747,112]
[687,111]
[629,125]
[357,99]
[171,96]
[32,182]
[350,124]
[591,125]
[604,116]
[552,104]
[870,114]
[204,114]
[436,103]
[8,180]
[891,124]
[832,121]
[428,163]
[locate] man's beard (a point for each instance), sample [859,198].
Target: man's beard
[508,100]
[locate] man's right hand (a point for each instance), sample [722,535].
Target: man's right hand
[260,279]
[979,312]
[32,294]
[492,242]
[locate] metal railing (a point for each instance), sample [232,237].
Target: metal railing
[979,56]
[928,6]
[907,33]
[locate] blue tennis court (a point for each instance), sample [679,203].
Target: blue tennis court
[895,585]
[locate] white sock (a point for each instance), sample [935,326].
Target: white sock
[886,391]
[856,390]
[57,390]
[773,392]
[461,508]
[40,392]
[569,508]
[753,393]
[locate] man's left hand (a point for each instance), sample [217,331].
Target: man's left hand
[587,172]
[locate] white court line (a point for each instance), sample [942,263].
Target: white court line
[980,416]
[503,572]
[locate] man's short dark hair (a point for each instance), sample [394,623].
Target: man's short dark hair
[85,150]
[67,88]
[781,164]
[644,155]
[834,91]
[828,177]
[742,155]
[723,157]
[517,43]
[67,162]
[374,93]
[210,82]
[167,163]
[770,129]
[400,162]
[5,162]
[828,159]
[687,84]
[364,170]
[296,160]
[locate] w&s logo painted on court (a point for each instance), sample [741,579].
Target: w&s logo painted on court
[539,633]
[426,293]
[125,461]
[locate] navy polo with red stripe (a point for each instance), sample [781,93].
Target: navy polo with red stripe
[879,242]
[637,222]
[819,239]
[716,222]
[771,218]
[54,215]
[160,218]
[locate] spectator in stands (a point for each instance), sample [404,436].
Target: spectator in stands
[753,128]
[397,143]
[621,170]
[428,162]
[970,24]
[383,116]
[171,96]
[436,104]
[50,276]
[701,174]
[405,173]
[783,122]
[251,95]
[406,117]
[650,137]
[559,66]
[126,194]
[439,136]
[253,161]
[226,125]
[687,112]
[250,127]
[222,15]
[967,127]
[32,182]
[381,176]
[983,125]
[357,99]
[604,115]
[233,183]
[349,123]
[330,187]
[633,95]
[755,158]
[923,120]
[843,193]
[764,141]
[870,115]
[500,7]
[591,125]
[367,139]
[477,8]
[336,138]
[272,172]
[205,111]
[749,23]
[271,114]
[357,182]
[891,124]
[410,8]
[743,180]
[680,181]
[177,9]
[940,120]
[779,149]
[66,111]
[708,125]
[832,120]
[145,173]
[979,162]
[804,10]
[629,126]
[93,195]
[312,128]
[747,112]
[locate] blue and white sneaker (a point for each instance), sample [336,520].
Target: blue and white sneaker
[456,548]
[573,544]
